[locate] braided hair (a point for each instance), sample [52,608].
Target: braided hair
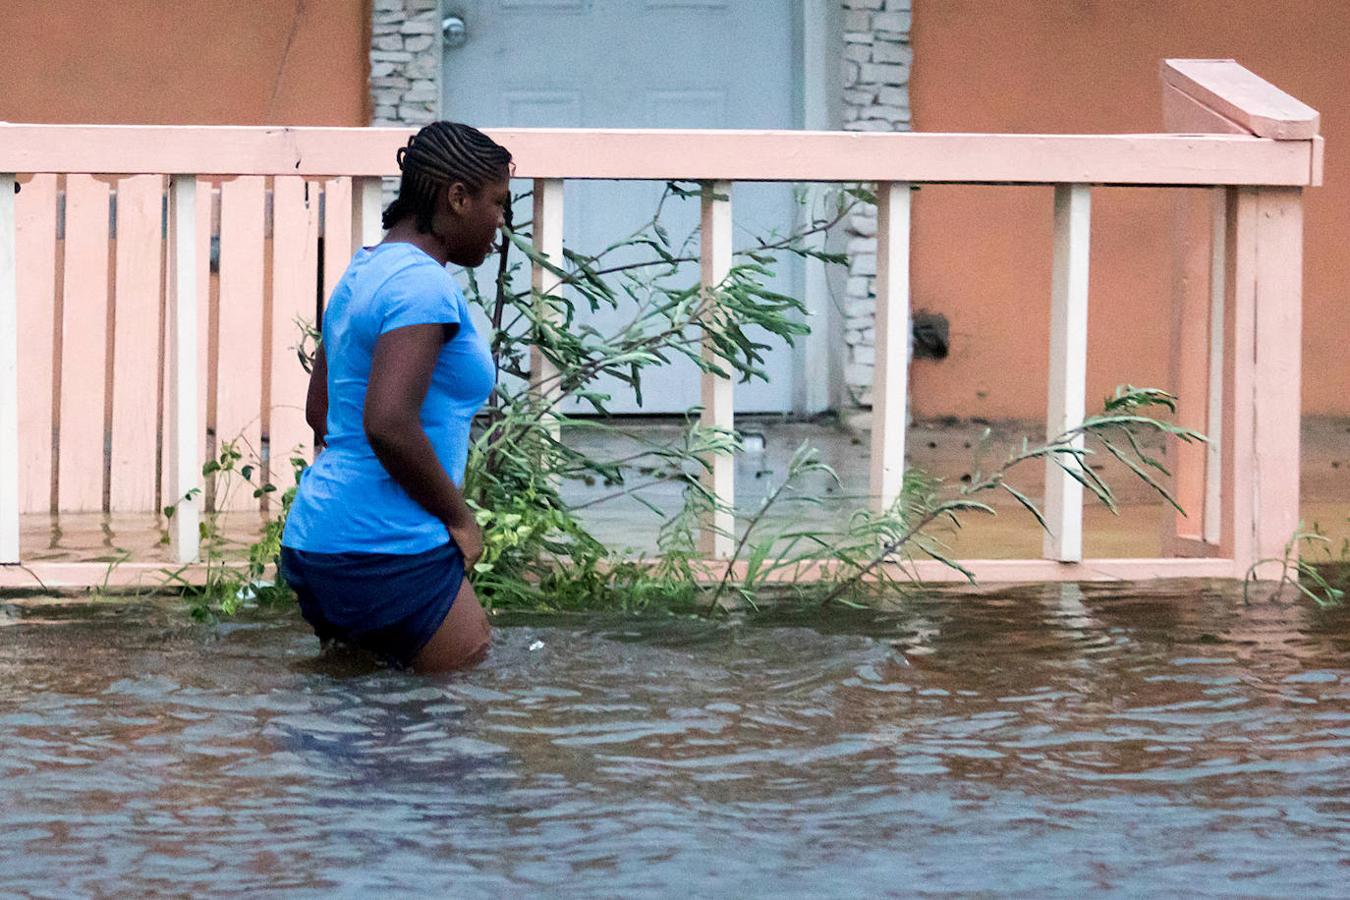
[438,155]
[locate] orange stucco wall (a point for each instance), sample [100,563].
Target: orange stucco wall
[981,256]
[204,62]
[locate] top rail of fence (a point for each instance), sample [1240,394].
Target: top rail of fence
[1123,159]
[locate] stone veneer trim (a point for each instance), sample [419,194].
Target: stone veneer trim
[405,66]
[876,60]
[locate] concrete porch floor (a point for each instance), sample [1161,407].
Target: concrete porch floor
[950,451]
[945,450]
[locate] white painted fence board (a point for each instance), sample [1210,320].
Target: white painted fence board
[1068,367]
[1238,513]
[9,375]
[135,343]
[239,339]
[1214,425]
[84,335]
[548,242]
[181,395]
[295,260]
[890,379]
[366,227]
[337,232]
[717,536]
[1277,388]
[35,227]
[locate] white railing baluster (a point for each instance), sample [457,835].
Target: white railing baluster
[1277,374]
[180,401]
[1068,368]
[366,199]
[890,378]
[1212,519]
[9,375]
[1238,506]
[548,243]
[717,536]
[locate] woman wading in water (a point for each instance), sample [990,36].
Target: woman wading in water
[379,538]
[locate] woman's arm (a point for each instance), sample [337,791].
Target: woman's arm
[316,399]
[400,373]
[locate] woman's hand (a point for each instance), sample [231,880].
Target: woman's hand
[469,538]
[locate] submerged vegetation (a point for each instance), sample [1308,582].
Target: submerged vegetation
[1309,566]
[540,555]
[235,575]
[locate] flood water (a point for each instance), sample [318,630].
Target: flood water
[1040,741]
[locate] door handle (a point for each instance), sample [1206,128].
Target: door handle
[454,31]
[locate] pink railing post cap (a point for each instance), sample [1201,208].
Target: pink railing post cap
[1242,96]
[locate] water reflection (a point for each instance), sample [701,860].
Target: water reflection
[1036,740]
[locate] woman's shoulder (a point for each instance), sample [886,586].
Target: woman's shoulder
[387,262]
[408,287]
[402,270]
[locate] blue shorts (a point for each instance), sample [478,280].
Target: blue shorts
[390,604]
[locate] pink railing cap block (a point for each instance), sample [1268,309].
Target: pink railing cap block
[1183,114]
[1244,97]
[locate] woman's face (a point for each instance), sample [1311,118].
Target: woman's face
[475,218]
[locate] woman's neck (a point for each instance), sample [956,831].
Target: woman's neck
[405,232]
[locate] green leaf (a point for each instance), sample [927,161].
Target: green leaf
[1147,478]
[1026,503]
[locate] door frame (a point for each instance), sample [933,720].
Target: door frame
[819,29]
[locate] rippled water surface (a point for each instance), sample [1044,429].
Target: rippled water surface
[1039,741]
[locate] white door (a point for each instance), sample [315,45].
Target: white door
[640,64]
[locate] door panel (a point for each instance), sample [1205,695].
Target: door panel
[657,64]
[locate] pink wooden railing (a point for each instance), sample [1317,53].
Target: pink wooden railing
[87,302]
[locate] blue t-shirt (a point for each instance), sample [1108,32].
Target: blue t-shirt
[347,501]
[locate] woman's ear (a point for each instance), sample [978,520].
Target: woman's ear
[457,197]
